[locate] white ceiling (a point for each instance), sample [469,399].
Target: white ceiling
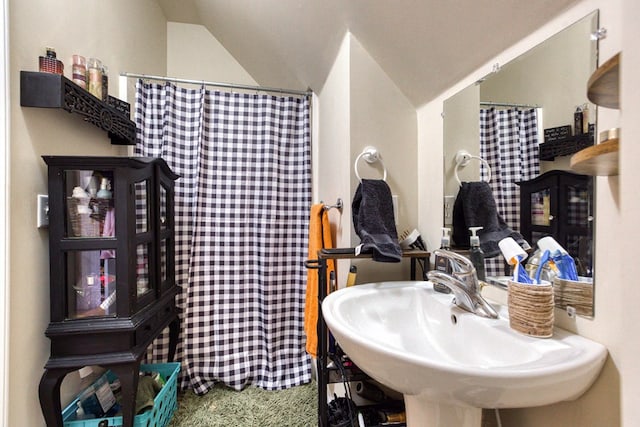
[425,46]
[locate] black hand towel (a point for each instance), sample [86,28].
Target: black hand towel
[372,212]
[476,207]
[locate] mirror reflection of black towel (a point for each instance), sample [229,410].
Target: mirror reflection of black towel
[374,222]
[476,207]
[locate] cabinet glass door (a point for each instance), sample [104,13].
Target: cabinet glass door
[540,207]
[91,283]
[144,237]
[90,214]
[577,206]
[89,204]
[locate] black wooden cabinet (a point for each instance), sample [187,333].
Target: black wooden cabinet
[112,278]
[560,204]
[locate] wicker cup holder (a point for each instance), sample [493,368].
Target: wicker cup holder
[531,309]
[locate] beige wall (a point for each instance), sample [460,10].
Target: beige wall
[461,128]
[382,117]
[331,147]
[627,336]
[359,106]
[600,406]
[127,36]
[187,59]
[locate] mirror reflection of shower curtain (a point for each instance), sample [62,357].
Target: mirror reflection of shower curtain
[241,223]
[509,144]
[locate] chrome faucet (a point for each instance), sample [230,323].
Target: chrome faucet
[463,282]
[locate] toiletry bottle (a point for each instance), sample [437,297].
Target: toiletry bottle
[50,64]
[105,189]
[477,255]
[585,118]
[94,77]
[351,277]
[441,263]
[79,71]
[577,121]
[105,82]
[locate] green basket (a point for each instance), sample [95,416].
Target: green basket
[164,404]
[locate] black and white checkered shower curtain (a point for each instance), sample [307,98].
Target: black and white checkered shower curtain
[509,144]
[242,212]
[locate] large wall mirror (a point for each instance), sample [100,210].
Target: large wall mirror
[548,83]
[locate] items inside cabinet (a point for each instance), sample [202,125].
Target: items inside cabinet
[336,367]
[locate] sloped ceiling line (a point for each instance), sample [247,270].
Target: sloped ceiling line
[425,46]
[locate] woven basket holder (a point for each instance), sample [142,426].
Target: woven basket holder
[89,224]
[531,309]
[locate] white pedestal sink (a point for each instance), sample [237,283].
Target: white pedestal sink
[449,363]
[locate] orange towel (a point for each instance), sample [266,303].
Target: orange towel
[319,238]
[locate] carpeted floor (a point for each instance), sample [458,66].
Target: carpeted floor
[252,407]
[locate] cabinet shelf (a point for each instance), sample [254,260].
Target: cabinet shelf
[599,160]
[603,89]
[47,90]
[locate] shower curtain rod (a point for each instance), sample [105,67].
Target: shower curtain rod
[507,104]
[308,92]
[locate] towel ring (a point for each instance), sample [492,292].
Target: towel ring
[370,155]
[463,157]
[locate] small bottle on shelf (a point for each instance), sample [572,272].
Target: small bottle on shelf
[79,71]
[50,64]
[94,77]
[577,121]
[105,82]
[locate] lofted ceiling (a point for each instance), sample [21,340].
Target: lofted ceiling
[425,46]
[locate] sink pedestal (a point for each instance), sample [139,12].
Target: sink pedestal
[424,412]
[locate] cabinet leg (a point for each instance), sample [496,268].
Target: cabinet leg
[49,394]
[128,375]
[174,330]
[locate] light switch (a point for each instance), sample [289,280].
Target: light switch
[43,211]
[394,200]
[448,209]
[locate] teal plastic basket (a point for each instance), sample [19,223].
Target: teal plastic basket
[164,404]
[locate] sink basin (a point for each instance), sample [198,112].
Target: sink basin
[448,363]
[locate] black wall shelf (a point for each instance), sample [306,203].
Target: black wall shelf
[47,90]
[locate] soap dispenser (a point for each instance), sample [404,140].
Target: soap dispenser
[105,189]
[477,255]
[441,263]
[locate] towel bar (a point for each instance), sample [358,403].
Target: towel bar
[463,157]
[338,205]
[370,155]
